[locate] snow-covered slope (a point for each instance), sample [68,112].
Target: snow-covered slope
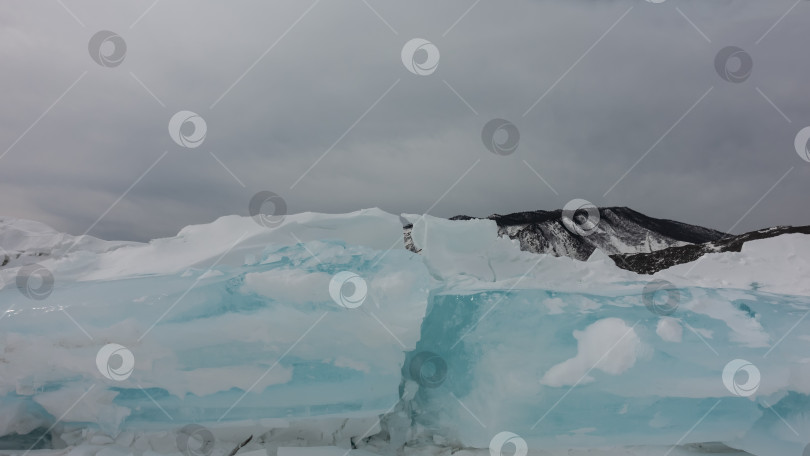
[226,240]
[779,264]
[619,230]
[651,262]
[24,242]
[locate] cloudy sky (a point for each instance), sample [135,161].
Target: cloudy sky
[618,102]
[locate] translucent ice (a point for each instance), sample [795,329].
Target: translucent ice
[328,317]
[201,328]
[567,365]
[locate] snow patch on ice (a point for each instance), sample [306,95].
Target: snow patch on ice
[555,305]
[289,285]
[669,329]
[609,345]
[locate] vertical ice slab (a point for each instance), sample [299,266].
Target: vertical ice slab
[228,328]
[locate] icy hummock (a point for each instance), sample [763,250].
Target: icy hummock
[570,354]
[25,242]
[253,334]
[240,327]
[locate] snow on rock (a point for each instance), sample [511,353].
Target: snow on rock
[619,230]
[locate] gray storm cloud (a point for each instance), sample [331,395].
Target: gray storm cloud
[616,102]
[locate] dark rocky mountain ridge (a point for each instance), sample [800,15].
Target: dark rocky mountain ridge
[619,230]
[633,240]
[652,262]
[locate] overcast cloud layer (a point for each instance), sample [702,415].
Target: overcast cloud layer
[281,83]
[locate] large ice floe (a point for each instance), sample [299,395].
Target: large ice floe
[323,331]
